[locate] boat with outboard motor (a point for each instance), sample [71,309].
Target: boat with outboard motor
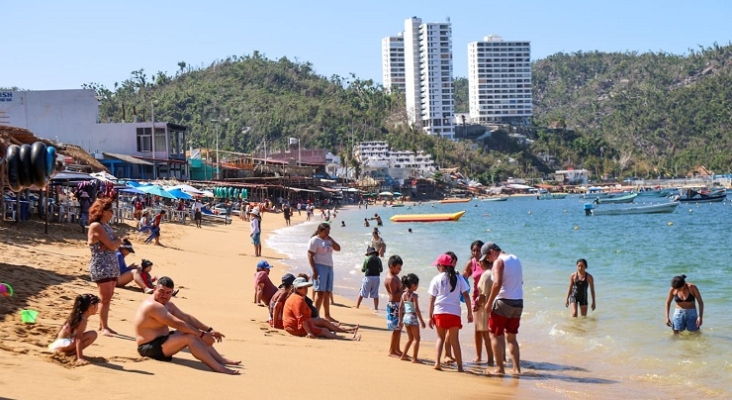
[661,208]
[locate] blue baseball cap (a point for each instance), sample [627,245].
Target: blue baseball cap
[263,264]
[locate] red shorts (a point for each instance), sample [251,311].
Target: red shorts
[447,321]
[497,324]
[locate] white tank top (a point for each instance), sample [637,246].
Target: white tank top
[513,281]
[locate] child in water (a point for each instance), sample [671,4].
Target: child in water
[577,292]
[410,315]
[72,338]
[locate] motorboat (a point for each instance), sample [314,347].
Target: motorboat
[661,208]
[501,198]
[454,200]
[617,198]
[692,196]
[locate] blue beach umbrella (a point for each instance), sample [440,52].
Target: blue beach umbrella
[156,191]
[179,194]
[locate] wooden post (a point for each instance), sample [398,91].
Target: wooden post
[47,208]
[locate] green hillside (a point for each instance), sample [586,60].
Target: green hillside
[616,114]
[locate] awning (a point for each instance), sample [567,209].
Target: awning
[302,190]
[127,159]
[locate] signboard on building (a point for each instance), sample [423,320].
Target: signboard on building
[6,96]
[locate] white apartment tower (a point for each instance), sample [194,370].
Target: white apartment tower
[392,62]
[499,76]
[428,70]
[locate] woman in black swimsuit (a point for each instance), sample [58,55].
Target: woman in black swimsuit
[577,293]
[686,295]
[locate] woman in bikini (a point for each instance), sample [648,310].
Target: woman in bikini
[103,267]
[686,295]
[579,281]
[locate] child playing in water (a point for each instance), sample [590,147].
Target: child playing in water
[410,315]
[577,292]
[72,338]
[394,288]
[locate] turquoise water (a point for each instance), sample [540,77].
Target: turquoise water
[623,348]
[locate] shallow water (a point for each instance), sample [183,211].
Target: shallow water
[623,348]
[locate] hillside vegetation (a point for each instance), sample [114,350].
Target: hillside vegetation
[660,114]
[616,114]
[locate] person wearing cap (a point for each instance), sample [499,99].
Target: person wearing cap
[320,256]
[505,304]
[85,203]
[372,269]
[298,320]
[152,323]
[264,289]
[143,275]
[445,290]
[255,231]
[126,272]
[277,304]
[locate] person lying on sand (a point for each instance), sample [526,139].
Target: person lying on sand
[157,314]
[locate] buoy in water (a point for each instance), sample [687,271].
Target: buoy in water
[690,210]
[488,230]
[670,223]
[529,212]
[576,227]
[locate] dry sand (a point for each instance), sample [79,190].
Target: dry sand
[214,268]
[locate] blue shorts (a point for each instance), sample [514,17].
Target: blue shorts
[324,283]
[256,239]
[392,316]
[684,320]
[370,287]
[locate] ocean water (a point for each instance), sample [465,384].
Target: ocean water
[624,347]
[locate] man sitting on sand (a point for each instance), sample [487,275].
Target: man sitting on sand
[155,340]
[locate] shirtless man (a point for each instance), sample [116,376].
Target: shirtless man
[155,340]
[394,287]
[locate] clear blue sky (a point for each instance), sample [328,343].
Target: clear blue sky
[63,44]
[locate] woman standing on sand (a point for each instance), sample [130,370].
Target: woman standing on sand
[686,295]
[103,267]
[320,256]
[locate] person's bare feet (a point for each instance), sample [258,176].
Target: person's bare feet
[107,332]
[449,360]
[477,360]
[516,372]
[228,371]
[404,357]
[495,372]
[397,355]
[416,361]
[332,320]
[356,337]
[231,362]
[437,367]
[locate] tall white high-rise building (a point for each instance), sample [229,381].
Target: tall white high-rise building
[392,62]
[428,70]
[499,76]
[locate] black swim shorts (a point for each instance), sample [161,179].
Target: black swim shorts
[154,348]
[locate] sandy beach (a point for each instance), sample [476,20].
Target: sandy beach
[213,267]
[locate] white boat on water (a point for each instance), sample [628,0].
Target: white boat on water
[662,208]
